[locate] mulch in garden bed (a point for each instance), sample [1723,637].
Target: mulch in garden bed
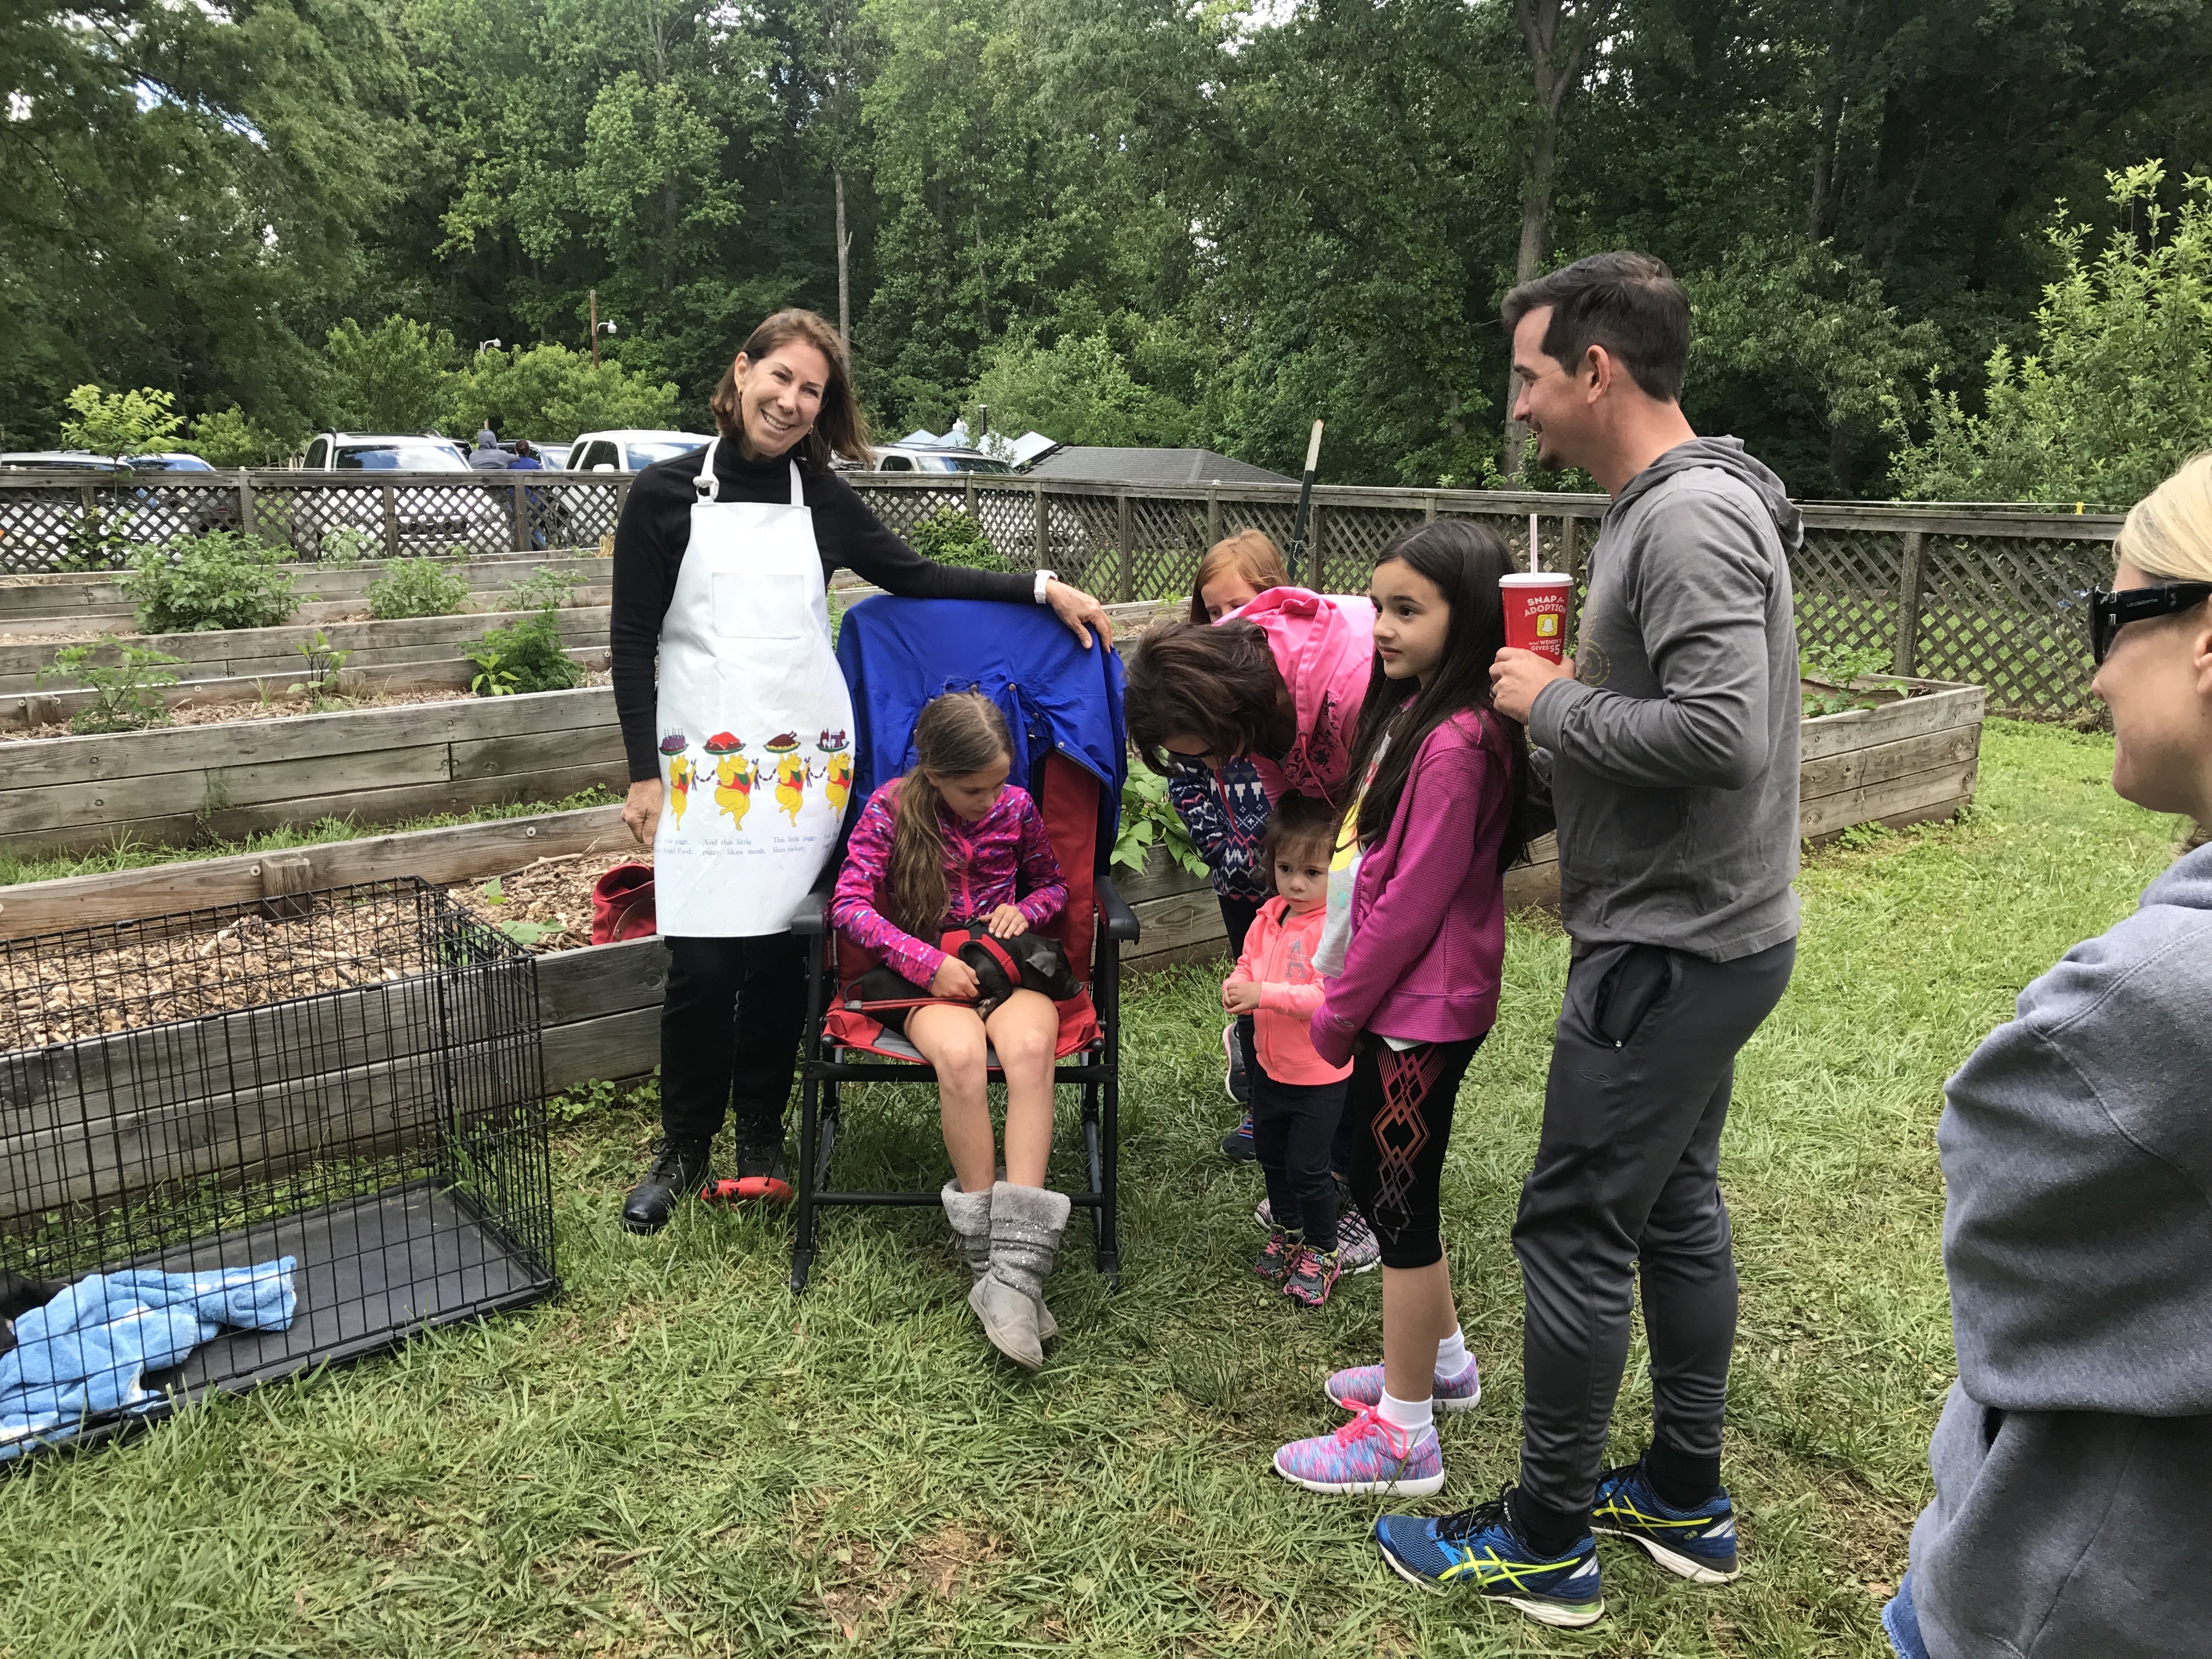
[546,905]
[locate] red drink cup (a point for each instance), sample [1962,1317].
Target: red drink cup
[1536,611]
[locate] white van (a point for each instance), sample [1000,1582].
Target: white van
[631,450]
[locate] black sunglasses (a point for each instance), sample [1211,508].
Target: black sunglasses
[2111,612]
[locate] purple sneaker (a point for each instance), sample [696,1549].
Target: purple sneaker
[1360,1388]
[1312,1277]
[1367,1454]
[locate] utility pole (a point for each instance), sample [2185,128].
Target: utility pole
[844,271]
[595,328]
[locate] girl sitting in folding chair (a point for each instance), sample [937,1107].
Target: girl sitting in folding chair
[951,846]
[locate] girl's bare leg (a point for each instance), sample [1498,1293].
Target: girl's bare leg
[1024,1028]
[952,1040]
[1417,1316]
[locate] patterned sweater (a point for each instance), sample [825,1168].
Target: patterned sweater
[985,865]
[1226,813]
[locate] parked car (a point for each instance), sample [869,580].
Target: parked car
[630,450]
[429,522]
[914,458]
[155,515]
[554,456]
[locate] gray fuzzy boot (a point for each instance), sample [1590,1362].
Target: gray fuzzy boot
[1026,1223]
[969,1216]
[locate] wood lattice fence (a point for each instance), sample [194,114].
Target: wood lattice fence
[1989,594]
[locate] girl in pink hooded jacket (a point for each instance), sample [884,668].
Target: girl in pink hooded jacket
[1283,680]
[1410,954]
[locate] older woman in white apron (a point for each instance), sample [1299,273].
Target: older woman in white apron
[740,756]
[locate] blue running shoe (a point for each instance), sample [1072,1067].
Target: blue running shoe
[1479,1548]
[1699,1545]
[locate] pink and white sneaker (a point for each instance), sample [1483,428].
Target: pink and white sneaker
[1367,1454]
[1360,1388]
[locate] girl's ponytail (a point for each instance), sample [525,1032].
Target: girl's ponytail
[959,732]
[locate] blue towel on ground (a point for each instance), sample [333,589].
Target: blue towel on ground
[86,1351]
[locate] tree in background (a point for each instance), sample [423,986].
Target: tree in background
[187,189]
[1791,327]
[122,423]
[549,393]
[388,379]
[2118,392]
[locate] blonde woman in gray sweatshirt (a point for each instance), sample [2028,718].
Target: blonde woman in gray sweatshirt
[2072,1462]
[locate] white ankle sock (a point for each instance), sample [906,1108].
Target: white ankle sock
[1452,1357]
[1414,1416]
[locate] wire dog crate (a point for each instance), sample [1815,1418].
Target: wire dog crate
[349,1077]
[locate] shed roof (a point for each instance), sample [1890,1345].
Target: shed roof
[1096,465]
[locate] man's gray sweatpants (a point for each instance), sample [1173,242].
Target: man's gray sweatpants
[1627,1177]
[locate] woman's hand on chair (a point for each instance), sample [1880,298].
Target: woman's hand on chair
[955,979]
[1082,613]
[642,809]
[1005,921]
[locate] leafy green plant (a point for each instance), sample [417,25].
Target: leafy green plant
[542,589]
[524,656]
[221,580]
[417,587]
[527,933]
[952,537]
[343,547]
[1835,671]
[1149,820]
[121,423]
[126,693]
[324,663]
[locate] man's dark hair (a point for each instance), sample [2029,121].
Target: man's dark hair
[1629,303]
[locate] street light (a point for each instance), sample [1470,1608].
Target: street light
[598,328]
[487,346]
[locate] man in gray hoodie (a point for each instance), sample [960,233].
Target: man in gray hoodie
[1671,739]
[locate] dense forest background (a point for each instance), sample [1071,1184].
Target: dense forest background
[1120,221]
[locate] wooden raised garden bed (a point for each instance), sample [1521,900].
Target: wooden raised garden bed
[81,604]
[599,1005]
[164,787]
[242,664]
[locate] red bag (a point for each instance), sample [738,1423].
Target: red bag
[622,904]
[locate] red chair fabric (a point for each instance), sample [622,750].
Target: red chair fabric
[623,905]
[1069,803]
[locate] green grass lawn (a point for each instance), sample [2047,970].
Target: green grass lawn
[676,1458]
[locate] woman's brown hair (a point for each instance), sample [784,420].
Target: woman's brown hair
[839,428]
[1215,682]
[1250,554]
[959,732]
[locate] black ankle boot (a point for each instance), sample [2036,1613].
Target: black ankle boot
[678,1168]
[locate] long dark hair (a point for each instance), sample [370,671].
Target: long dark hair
[958,732]
[1215,682]
[1464,560]
[839,428]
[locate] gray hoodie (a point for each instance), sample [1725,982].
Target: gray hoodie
[2073,1461]
[1673,752]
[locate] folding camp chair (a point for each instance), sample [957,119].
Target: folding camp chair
[1063,707]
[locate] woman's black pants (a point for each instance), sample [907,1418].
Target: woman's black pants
[730,1027]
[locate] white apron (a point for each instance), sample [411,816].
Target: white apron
[754,721]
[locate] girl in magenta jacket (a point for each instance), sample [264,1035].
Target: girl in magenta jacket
[1411,954]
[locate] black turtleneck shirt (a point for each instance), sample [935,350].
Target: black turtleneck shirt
[656,528]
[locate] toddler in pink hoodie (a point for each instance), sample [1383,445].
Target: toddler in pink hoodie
[1298,1098]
